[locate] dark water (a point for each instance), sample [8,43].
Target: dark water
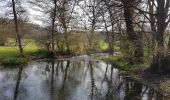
[81,78]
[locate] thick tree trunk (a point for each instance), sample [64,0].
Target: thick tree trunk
[161,24]
[152,24]
[17,29]
[161,18]
[134,38]
[169,44]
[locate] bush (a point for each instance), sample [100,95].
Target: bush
[14,61]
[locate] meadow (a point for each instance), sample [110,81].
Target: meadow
[13,51]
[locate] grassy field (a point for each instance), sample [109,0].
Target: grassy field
[12,51]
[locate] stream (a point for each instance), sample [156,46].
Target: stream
[77,78]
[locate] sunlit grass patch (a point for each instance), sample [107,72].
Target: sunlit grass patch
[13,51]
[31,48]
[8,51]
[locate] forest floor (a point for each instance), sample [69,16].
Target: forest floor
[141,73]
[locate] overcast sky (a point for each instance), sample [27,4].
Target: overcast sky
[31,14]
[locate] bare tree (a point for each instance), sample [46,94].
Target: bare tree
[92,11]
[17,29]
[60,14]
[162,20]
[113,14]
[65,11]
[53,24]
[48,10]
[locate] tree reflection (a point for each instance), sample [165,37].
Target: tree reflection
[133,90]
[109,94]
[47,67]
[58,63]
[105,74]
[62,89]
[18,83]
[92,80]
[52,79]
[114,83]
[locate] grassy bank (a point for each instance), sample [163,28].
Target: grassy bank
[9,55]
[119,62]
[139,72]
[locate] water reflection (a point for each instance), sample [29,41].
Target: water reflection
[18,83]
[71,80]
[91,70]
[52,80]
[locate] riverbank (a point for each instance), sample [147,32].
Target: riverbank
[141,73]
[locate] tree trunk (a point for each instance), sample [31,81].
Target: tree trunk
[134,38]
[17,29]
[169,44]
[161,24]
[161,18]
[53,25]
[152,24]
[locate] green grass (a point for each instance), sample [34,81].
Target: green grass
[6,51]
[13,51]
[119,62]
[32,48]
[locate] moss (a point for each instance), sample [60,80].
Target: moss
[14,62]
